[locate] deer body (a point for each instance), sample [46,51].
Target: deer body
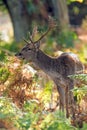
[57,68]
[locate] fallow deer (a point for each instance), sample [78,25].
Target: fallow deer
[57,68]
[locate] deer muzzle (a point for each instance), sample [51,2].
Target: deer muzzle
[19,55]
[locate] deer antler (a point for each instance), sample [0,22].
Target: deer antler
[34,32]
[26,41]
[52,24]
[30,38]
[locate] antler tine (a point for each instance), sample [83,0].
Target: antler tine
[30,37]
[34,32]
[25,40]
[43,35]
[52,24]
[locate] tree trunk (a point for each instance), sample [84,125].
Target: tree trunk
[61,12]
[19,16]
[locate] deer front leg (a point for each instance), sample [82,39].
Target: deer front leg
[61,97]
[64,99]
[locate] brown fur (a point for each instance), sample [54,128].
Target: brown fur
[57,68]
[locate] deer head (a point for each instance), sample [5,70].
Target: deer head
[29,51]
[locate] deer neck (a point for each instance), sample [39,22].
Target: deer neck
[48,65]
[43,61]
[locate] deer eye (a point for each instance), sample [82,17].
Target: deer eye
[20,54]
[29,49]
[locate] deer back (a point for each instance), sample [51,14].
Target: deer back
[69,64]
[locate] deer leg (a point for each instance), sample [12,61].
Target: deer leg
[71,99]
[67,101]
[72,104]
[62,97]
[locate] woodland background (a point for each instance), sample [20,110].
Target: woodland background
[28,97]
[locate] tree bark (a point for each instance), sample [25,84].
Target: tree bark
[22,21]
[19,16]
[61,12]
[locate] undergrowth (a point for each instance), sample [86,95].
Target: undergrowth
[25,104]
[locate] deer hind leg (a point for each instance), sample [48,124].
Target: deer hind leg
[67,101]
[71,99]
[61,105]
[72,104]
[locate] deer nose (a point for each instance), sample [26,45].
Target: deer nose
[18,54]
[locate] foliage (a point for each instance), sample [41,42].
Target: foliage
[82,77]
[47,91]
[56,121]
[7,49]
[69,1]
[9,112]
[66,38]
[4,73]
[31,7]
[24,104]
[84,23]
[30,116]
[27,110]
[80,92]
[2,7]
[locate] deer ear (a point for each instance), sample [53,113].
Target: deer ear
[37,45]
